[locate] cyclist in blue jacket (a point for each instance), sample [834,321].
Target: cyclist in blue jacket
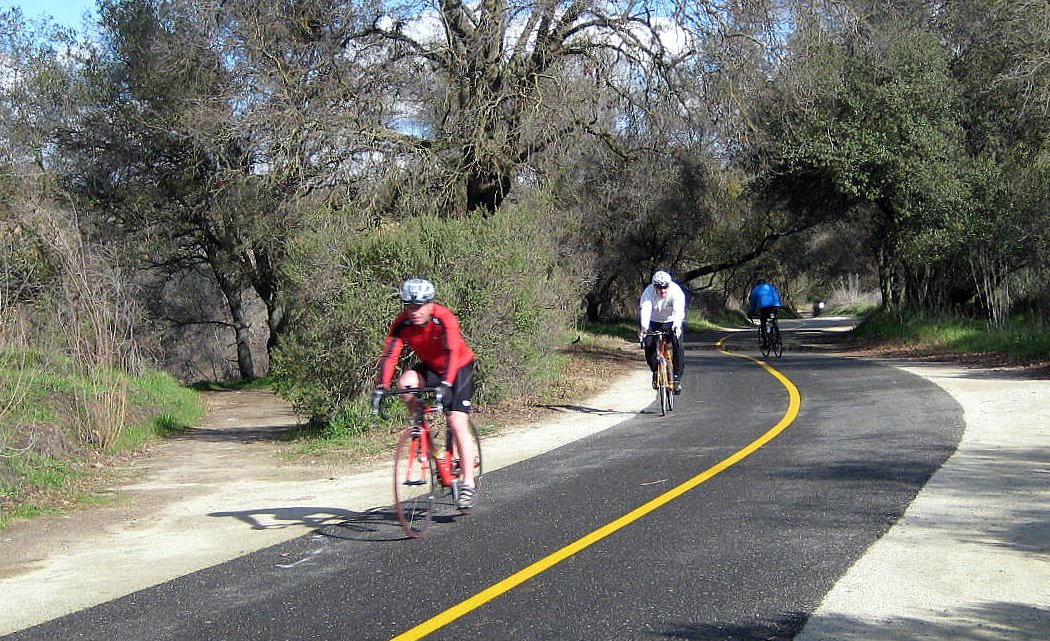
[764,299]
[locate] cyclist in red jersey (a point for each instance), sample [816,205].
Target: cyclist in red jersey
[432,332]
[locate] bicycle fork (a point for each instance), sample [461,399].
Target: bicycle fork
[418,455]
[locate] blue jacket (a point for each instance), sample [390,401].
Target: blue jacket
[764,295]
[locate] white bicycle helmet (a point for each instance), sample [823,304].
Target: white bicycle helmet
[661,279]
[417,291]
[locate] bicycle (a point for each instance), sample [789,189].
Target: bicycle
[427,468]
[769,337]
[664,371]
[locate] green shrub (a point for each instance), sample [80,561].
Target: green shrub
[499,274]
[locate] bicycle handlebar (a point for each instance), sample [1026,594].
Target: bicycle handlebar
[379,395]
[656,332]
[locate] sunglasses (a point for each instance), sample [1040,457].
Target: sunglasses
[660,286]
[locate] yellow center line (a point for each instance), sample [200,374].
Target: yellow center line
[521,576]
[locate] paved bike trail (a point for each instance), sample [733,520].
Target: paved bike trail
[749,554]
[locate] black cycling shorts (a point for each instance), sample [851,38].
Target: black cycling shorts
[462,387]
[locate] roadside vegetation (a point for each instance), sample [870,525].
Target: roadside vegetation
[586,364]
[53,453]
[1019,340]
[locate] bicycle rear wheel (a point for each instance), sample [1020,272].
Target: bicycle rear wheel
[763,341]
[778,344]
[415,481]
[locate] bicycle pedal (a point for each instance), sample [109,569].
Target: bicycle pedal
[411,482]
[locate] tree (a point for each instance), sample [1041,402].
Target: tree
[1001,63]
[491,89]
[872,127]
[204,133]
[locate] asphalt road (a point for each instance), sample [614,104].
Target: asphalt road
[748,553]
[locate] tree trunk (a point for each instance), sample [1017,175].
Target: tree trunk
[266,286]
[233,289]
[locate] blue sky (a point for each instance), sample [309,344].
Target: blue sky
[65,12]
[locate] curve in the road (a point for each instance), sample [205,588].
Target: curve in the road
[501,587]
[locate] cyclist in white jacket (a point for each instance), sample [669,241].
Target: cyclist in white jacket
[662,308]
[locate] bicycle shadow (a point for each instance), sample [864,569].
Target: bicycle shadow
[583,409]
[374,524]
[382,524]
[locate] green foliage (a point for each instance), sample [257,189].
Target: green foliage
[260,383]
[857,310]
[27,268]
[626,328]
[42,453]
[1022,338]
[498,273]
[353,429]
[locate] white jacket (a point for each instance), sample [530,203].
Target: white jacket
[670,309]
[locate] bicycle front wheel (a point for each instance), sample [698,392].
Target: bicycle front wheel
[661,386]
[415,481]
[763,341]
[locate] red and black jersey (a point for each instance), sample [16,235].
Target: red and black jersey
[439,345]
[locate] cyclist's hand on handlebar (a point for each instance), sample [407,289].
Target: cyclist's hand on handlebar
[377,398]
[641,337]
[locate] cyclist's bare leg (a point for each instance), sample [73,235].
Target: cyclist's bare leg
[459,423]
[410,379]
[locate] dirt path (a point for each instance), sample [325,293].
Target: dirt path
[227,465]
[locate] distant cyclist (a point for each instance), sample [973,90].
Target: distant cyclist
[764,300]
[432,332]
[662,308]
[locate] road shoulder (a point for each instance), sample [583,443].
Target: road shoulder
[970,558]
